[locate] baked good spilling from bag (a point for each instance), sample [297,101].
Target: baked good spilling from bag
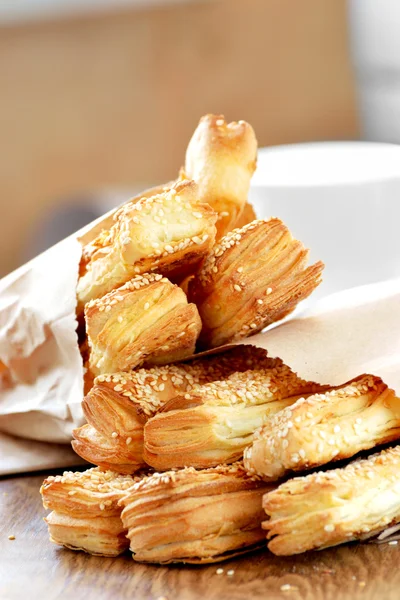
[187,267]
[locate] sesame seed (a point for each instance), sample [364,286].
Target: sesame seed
[11,537]
[259,301]
[114,434]
[269,291]
[219,571]
[147,306]
[329,528]
[120,319]
[237,287]
[240,269]
[230,572]
[128,441]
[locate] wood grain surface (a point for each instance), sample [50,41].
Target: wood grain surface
[33,568]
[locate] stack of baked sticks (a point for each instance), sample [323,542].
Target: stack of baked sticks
[196,455]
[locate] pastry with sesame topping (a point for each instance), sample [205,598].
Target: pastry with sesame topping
[334,507]
[194,516]
[147,320]
[118,405]
[168,233]
[112,452]
[253,277]
[97,241]
[213,423]
[327,427]
[86,514]
[221,158]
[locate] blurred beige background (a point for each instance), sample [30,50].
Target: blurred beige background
[108,101]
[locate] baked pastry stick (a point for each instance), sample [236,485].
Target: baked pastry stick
[214,422]
[147,320]
[111,452]
[169,233]
[221,158]
[97,241]
[194,516]
[86,513]
[325,427]
[334,507]
[255,276]
[118,405]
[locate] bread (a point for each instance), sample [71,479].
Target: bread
[253,277]
[86,513]
[168,233]
[214,422]
[147,320]
[194,516]
[325,427]
[333,507]
[221,158]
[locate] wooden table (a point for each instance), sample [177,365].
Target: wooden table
[32,568]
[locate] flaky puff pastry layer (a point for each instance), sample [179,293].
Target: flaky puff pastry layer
[221,158]
[113,452]
[118,405]
[214,422]
[333,507]
[255,276]
[324,427]
[147,320]
[168,233]
[97,242]
[194,516]
[86,513]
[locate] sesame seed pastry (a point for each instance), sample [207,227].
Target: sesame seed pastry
[118,405]
[334,507]
[325,427]
[147,320]
[96,243]
[112,452]
[85,511]
[168,233]
[221,158]
[253,277]
[213,423]
[194,516]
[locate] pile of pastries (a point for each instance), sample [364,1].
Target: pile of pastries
[198,456]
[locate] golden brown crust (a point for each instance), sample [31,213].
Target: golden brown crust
[326,427]
[86,511]
[247,215]
[99,536]
[146,321]
[214,422]
[193,516]
[96,241]
[168,233]
[123,455]
[221,158]
[253,277]
[119,404]
[334,507]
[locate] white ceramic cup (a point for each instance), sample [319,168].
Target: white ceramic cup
[342,200]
